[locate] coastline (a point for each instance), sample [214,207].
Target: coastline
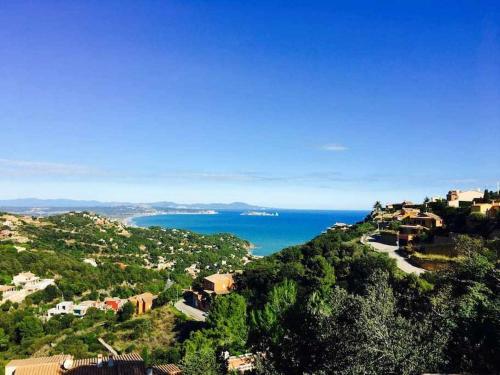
[264,237]
[129,220]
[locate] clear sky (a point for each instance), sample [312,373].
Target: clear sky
[300,104]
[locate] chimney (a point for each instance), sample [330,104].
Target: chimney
[99,360]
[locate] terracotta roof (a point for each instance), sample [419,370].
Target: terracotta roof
[219,277]
[168,369]
[432,215]
[39,366]
[126,364]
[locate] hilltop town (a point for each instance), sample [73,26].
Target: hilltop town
[426,233]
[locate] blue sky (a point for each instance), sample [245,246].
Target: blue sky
[300,104]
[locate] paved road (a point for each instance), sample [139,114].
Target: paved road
[190,311]
[390,250]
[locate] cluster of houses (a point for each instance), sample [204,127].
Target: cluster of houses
[24,284]
[142,303]
[476,199]
[414,221]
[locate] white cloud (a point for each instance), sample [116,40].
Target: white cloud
[335,147]
[10,167]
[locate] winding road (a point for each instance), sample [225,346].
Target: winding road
[391,250]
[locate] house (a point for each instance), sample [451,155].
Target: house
[38,285]
[454,197]
[425,219]
[142,302]
[64,307]
[489,209]
[399,206]
[114,304]
[481,208]
[62,364]
[241,363]
[216,284]
[219,283]
[7,288]
[192,270]
[80,310]
[54,365]
[407,233]
[24,278]
[28,284]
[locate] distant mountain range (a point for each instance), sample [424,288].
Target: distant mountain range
[71,203]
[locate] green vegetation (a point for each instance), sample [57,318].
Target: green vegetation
[333,306]
[127,261]
[330,306]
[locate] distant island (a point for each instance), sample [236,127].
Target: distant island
[259,213]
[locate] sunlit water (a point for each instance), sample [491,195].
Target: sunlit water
[268,233]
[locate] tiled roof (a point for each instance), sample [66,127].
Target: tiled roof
[127,364]
[168,369]
[39,366]
[219,277]
[38,360]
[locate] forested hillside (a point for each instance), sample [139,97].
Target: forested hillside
[333,306]
[330,306]
[123,261]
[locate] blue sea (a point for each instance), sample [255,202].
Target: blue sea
[268,233]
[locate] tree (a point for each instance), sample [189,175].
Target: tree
[319,273]
[486,196]
[425,205]
[4,340]
[199,356]
[269,322]
[29,328]
[171,294]
[227,322]
[126,312]
[377,206]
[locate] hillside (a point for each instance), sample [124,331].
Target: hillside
[330,306]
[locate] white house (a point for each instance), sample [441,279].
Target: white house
[24,278]
[454,197]
[65,307]
[31,287]
[80,310]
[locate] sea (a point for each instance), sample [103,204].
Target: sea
[268,234]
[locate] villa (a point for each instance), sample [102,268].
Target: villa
[425,219]
[454,197]
[25,283]
[62,308]
[25,278]
[407,233]
[142,302]
[216,284]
